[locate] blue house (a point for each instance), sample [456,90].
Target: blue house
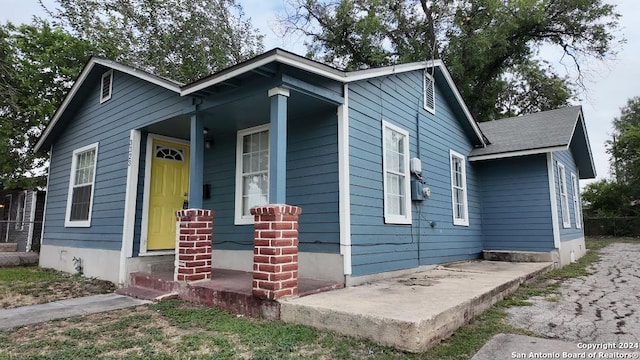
[389,167]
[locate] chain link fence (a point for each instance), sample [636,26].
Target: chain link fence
[612,226]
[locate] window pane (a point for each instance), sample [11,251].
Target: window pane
[80,201]
[255,188]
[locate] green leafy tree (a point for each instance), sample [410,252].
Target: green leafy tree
[606,198]
[38,65]
[179,39]
[625,147]
[490,46]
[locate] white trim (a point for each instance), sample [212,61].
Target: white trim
[586,138]
[388,70]
[32,215]
[144,231]
[426,76]
[577,213]
[67,218]
[518,153]
[564,198]
[46,198]
[554,201]
[465,220]
[394,218]
[108,74]
[278,91]
[169,85]
[19,225]
[131,192]
[10,197]
[344,182]
[239,218]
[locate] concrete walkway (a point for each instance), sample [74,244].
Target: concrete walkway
[415,311]
[34,314]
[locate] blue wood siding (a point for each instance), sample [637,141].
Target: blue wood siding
[516,206]
[134,104]
[377,246]
[312,184]
[566,158]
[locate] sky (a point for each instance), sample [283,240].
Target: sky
[608,85]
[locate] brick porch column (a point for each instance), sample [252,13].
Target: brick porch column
[275,251]
[194,236]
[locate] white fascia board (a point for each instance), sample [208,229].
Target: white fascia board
[518,153]
[70,95]
[317,69]
[580,120]
[387,70]
[460,101]
[83,76]
[167,84]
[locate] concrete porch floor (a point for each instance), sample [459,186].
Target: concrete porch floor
[412,312]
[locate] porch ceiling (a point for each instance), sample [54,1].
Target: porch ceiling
[250,111]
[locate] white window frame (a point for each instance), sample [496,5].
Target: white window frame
[74,163]
[388,217]
[564,196]
[108,74]
[21,211]
[240,218]
[464,221]
[576,201]
[427,79]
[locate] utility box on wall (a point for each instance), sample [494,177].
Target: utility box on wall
[416,190]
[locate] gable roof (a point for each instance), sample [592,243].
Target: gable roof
[96,64]
[276,55]
[539,133]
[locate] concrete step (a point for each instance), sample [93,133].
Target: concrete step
[162,282]
[8,247]
[146,294]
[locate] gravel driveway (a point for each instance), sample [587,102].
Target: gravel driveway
[600,308]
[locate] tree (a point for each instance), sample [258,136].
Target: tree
[625,148]
[488,45]
[179,39]
[38,65]
[606,198]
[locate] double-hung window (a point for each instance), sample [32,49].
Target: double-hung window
[81,186]
[252,172]
[459,189]
[576,201]
[395,162]
[564,197]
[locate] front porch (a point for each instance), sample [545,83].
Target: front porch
[230,290]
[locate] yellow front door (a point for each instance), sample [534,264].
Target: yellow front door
[169,185]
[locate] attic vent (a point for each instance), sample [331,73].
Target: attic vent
[106,86]
[429,93]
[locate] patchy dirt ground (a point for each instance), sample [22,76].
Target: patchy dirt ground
[23,286]
[602,307]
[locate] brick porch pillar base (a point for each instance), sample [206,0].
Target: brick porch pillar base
[194,236]
[275,251]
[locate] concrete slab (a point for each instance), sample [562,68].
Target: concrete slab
[412,312]
[509,346]
[34,314]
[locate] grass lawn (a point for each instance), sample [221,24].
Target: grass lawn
[20,286]
[177,330]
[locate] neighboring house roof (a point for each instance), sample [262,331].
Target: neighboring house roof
[273,56]
[538,133]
